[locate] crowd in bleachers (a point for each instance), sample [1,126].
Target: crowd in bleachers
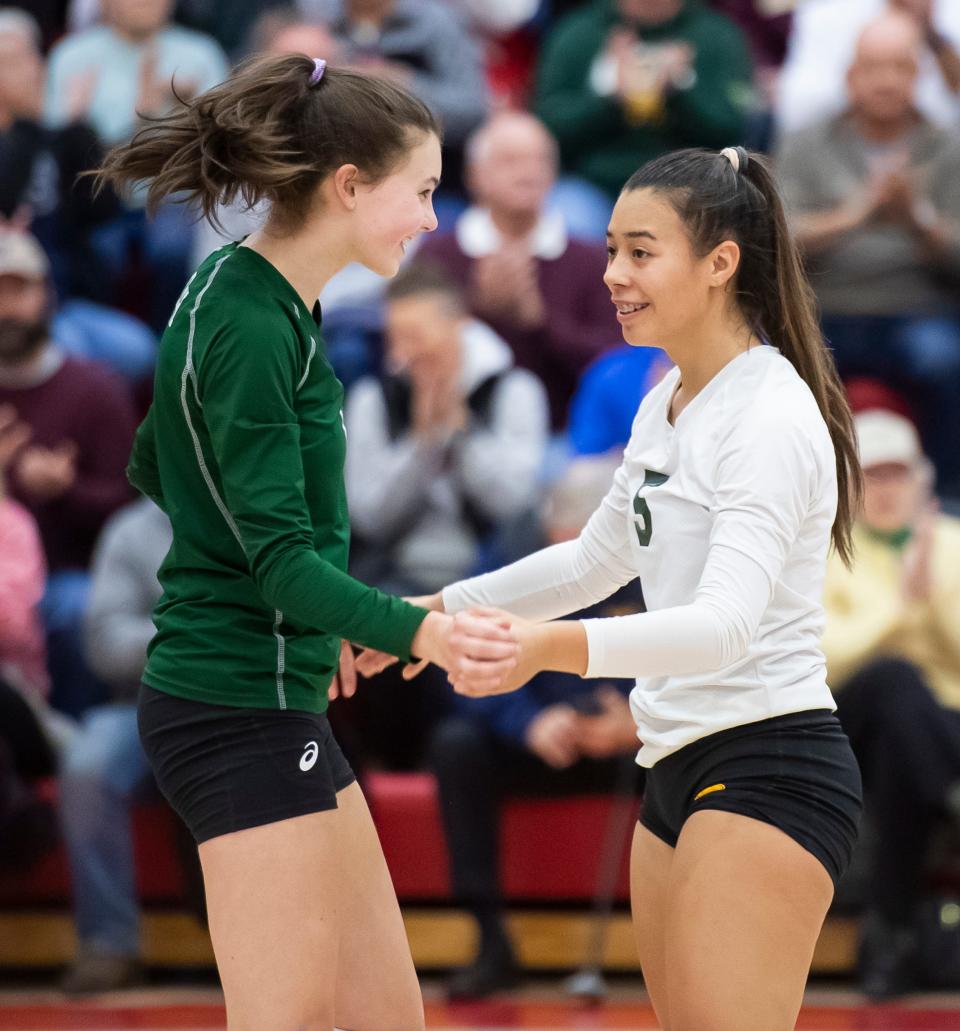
[488,389]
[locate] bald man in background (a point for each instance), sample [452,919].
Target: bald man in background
[540,290]
[874,195]
[821,46]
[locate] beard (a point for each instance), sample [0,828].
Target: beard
[20,340]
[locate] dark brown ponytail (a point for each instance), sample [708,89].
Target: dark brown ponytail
[717,202]
[269,133]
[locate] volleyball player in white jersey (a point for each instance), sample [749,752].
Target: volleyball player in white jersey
[724,506]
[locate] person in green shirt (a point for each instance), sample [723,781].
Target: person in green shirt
[620,82]
[243,447]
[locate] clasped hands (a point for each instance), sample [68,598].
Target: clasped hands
[484,651]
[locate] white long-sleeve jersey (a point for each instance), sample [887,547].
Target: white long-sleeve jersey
[726,518]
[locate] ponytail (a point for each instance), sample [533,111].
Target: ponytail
[787,307]
[272,131]
[734,196]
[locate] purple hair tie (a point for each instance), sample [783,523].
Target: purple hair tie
[319,67]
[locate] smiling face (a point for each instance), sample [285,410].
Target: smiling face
[663,290]
[398,208]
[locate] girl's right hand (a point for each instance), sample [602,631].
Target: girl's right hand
[481,648]
[370,662]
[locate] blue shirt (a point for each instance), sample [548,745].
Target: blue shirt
[608,396]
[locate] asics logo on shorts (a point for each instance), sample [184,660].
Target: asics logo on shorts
[309,758]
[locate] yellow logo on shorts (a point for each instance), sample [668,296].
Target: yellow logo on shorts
[709,791]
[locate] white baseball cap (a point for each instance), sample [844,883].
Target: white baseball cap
[21,255]
[886,438]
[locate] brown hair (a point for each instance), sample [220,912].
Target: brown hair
[269,133]
[717,202]
[426,277]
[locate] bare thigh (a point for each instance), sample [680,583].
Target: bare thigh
[377,987]
[306,927]
[650,861]
[746,905]
[274,902]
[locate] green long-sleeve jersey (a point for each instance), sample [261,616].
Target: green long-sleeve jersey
[243,447]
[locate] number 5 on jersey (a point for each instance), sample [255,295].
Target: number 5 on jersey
[643,524]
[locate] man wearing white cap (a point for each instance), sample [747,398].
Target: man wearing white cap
[892,645]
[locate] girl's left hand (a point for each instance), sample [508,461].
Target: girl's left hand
[345,680]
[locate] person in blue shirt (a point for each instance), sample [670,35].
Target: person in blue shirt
[608,396]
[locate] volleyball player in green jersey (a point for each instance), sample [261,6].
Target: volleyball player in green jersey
[243,447]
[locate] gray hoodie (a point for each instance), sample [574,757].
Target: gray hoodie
[410,496]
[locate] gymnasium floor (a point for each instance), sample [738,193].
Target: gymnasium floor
[537,1008]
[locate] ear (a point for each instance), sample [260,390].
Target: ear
[344,183]
[724,260]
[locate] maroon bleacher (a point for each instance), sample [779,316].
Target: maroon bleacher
[550,848]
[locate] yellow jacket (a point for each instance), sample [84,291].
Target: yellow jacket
[867,616]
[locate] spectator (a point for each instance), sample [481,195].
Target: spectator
[892,645]
[39,166]
[441,450]
[105,767]
[424,45]
[875,194]
[70,475]
[560,735]
[445,446]
[622,81]
[27,823]
[822,46]
[539,290]
[608,396]
[131,66]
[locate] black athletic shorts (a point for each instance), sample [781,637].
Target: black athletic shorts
[796,772]
[225,769]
